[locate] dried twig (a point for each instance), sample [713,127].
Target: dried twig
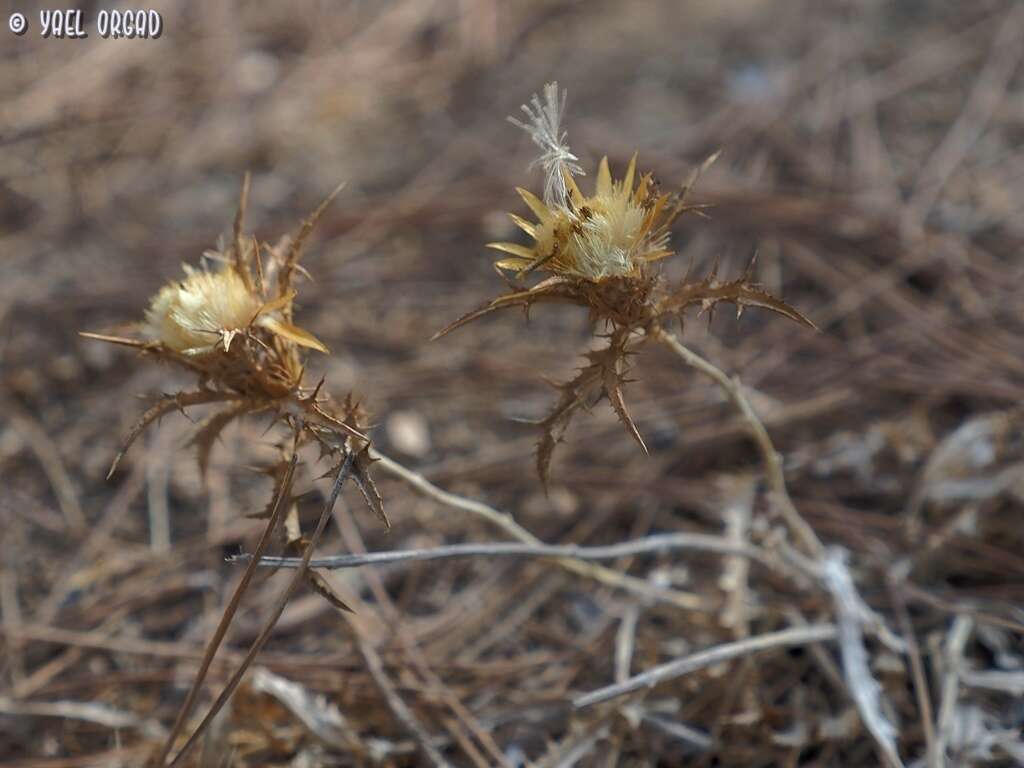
[862,685]
[921,689]
[398,707]
[89,711]
[504,521]
[278,510]
[772,461]
[815,633]
[275,613]
[661,543]
[952,658]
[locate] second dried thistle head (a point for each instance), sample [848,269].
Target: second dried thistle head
[599,251]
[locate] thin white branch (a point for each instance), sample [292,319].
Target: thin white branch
[87,711]
[599,573]
[772,460]
[625,642]
[863,687]
[953,659]
[1003,681]
[667,542]
[814,633]
[737,512]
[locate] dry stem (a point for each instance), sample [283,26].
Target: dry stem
[815,633]
[772,461]
[275,613]
[668,542]
[504,521]
[229,612]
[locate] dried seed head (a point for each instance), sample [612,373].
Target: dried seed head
[201,313]
[231,326]
[612,233]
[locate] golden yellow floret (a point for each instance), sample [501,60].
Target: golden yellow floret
[612,233]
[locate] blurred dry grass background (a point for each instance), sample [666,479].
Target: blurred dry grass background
[870,156]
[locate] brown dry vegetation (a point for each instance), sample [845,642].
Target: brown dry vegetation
[870,157]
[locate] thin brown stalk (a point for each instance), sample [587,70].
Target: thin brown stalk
[275,613]
[279,608]
[921,688]
[464,724]
[232,608]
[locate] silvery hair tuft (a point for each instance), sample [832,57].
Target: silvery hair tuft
[544,127]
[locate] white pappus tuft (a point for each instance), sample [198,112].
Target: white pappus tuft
[544,127]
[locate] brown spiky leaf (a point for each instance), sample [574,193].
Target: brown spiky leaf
[284,278]
[280,474]
[603,373]
[331,421]
[165,405]
[741,292]
[367,487]
[678,204]
[553,289]
[239,251]
[322,587]
[295,545]
[613,381]
[360,473]
[210,430]
[553,425]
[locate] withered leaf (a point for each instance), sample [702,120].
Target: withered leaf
[207,434]
[367,487]
[553,289]
[573,395]
[293,333]
[322,587]
[165,405]
[279,472]
[613,380]
[741,292]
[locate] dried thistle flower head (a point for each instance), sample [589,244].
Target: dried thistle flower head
[612,233]
[599,252]
[203,313]
[232,326]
